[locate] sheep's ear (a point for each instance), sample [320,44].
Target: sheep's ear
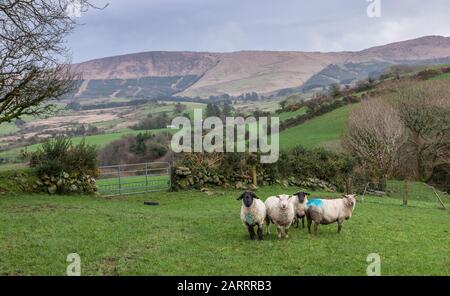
[278,196]
[254,195]
[241,197]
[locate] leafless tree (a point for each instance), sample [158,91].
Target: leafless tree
[424,108]
[375,133]
[33,57]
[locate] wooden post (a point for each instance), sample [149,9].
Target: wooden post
[437,196]
[348,185]
[146,177]
[255,180]
[405,192]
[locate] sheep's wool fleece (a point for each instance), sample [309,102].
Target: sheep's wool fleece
[255,214]
[276,214]
[299,208]
[330,210]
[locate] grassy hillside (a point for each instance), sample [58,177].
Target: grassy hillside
[182,236]
[288,115]
[442,76]
[318,131]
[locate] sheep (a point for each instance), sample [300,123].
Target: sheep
[253,213]
[327,211]
[299,201]
[280,211]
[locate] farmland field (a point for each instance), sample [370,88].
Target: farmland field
[192,234]
[8,128]
[442,76]
[287,115]
[317,131]
[99,140]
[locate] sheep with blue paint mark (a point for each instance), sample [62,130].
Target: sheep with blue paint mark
[299,201]
[280,211]
[327,211]
[253,213]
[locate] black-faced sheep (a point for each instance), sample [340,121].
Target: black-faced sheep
[327,211]
[253,213]
[280,211]
[299,201]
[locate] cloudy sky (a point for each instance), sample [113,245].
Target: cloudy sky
[128,26]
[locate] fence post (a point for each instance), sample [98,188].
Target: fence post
[169,173]
[405,192]
[120,184]
[255,179]
[146,177]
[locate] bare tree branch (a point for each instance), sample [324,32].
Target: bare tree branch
[33,57]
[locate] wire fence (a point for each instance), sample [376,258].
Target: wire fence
[406,191]
[129,179]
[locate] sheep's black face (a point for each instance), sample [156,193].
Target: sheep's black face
[301,196]
[247,198]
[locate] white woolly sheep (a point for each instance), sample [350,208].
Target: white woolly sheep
[253,213]
[327,211]
[299,201]
[280,211]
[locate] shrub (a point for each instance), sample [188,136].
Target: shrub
[143,147]
[234,169]
[63,167]
[427,74]
[153,122]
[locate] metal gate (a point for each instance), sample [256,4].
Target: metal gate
[126,179]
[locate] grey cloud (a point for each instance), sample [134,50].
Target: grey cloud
[128,26]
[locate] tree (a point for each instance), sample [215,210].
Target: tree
[212,110]
[375,134]
[226,111]
[335,90]
[424,109]
[33,59]
[179,108]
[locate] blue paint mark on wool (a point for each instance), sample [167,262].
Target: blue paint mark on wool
[250,219]
[314,202]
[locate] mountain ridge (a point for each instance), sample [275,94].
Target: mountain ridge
[234,73]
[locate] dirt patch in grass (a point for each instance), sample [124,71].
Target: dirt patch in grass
[108,266]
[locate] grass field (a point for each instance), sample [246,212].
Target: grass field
[8,128]
[442,76]
[317,131]
[192,234]
[99,140]
[287,115]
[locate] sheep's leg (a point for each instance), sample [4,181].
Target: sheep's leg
[279,230]
[316,228]
[303,222]
[286,232]
[260,232]
[296,222]
[309,225]
[339,226]
[267,226]
[251,231]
